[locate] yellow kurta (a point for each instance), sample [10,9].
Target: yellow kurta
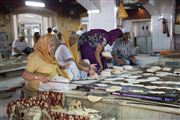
[37,66]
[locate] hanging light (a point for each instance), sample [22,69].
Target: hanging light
[122,11]
[35,3]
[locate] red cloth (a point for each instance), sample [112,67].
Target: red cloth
[45,100]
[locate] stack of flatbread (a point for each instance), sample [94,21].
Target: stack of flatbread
[166,69]
[113,88]
[95,76]
[117,70]
[153,69]
[106,54]
[128,67]
[94,98]
[105,73]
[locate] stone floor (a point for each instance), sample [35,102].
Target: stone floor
[5,98]
[146,59]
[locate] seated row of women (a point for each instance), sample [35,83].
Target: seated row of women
[53,56]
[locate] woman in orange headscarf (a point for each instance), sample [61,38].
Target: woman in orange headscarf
[41,65]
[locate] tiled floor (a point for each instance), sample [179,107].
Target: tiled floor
[146,59]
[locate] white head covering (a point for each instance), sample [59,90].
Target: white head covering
[55,29]
[124,30]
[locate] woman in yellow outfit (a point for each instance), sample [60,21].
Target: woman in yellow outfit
[41,65]
[73,48]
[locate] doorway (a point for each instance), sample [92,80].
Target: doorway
[28,24]
[142,36]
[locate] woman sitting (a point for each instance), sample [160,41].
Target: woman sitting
[122,52]
[83,65]
[65,56]
[42,66]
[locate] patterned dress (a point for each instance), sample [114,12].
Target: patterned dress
[87,44]
[122,49]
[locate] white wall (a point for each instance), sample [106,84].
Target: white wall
[106,19]
[158,8]
[160,41]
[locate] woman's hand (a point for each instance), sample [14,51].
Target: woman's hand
[92,66]
[91,72]
[98,50]
[44,79]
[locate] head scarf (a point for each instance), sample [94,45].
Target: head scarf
[93,31]
[115,33]
[74,48]
[41,47]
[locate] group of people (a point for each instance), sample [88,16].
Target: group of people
[76,57]
[20,46]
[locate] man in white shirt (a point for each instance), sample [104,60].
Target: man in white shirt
[20,46]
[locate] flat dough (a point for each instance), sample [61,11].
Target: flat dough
[134,77]
[117,72]
[117,83]
[101,85]
[105,73]
[127,84]
[138,85]
[136,91]
[156,67]
[125,75]
[153,78]
[153,69]
[113,89]
[106,81]
[157,92]
[157,82]
[109,70]
[95,76]
[128,67]
[166,69]
[137,72]
[113,79]
[118,68]
[94,98]
[106,54]
[150,70]
[162,74]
